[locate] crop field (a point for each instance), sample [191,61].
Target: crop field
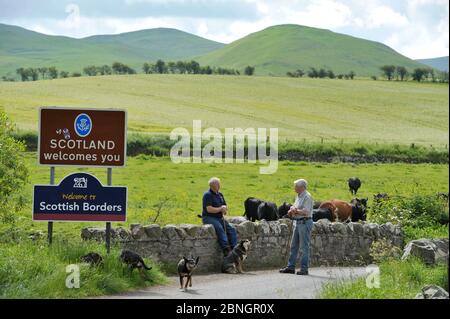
[179,187]
[355,111]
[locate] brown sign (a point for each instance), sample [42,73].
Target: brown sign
[82,137]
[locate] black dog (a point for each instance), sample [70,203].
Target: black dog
[283,209]
[267,211]
[322,213]
[133,261]
[186,266]
[251,205]
[92,258]
[232,264]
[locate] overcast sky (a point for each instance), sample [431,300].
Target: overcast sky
[415,28]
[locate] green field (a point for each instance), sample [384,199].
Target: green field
[151,180]
[279,49]
[336,110]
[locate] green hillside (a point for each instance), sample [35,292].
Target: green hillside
[354,111]
[279,49]
[23,48]
[437,63]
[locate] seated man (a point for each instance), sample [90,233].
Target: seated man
[214,209]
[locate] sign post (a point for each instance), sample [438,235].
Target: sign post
[80,137]
[108,224]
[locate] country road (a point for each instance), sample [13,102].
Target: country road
[267,284]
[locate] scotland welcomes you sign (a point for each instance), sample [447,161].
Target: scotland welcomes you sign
[78,137]
[80,197]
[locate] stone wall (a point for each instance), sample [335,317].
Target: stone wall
[331,243]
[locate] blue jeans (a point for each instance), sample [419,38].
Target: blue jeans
[222,234]
[300,235]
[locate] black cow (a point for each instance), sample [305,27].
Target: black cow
[359,201]
[358,213]
[251,205]
[283,210]
[267,211]
[354,183]
[322,213]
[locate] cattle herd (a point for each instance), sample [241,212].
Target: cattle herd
[333,210]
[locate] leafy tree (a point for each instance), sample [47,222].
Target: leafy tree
[340,76]
[13,172]
[104,70]
[299,73]
[181,67]
[146,68]
[172,67]
[249,70]
[160,67]
[313,73]
[23,73]
[90,70]
[388,71]
[401,72]
[419,73]
[76,74]
[331,74]
[63,74]
[52,72]
[351,75]
[43,71]
[322,73]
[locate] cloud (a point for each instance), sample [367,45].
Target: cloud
[385,16]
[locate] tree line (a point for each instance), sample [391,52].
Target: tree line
[321,74]
[190,67]
[160,67]
[400,73]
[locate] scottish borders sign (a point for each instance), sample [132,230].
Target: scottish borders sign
[79,197]
[82,137]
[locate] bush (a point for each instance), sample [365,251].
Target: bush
[13,172]
[417,211]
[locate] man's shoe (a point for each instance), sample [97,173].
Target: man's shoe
[302,272]
[226,251]
[287,270]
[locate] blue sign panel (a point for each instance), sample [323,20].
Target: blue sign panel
[80,197]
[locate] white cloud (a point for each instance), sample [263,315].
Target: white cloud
[384,16]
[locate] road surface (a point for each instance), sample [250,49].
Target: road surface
[267,284]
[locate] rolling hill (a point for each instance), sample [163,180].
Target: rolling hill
[279,49]
[437,63]
[23,48]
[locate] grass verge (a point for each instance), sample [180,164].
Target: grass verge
[398,280]
[32,269]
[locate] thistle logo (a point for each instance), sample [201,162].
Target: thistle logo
[83,125]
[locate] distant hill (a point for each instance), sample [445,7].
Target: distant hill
[279,49]
[23,48]
[437,63]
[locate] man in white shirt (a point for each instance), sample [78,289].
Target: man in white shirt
[301,213]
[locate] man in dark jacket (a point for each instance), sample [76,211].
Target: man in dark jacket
[214,210]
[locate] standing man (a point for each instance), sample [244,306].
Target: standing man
[214,210]
[301,213]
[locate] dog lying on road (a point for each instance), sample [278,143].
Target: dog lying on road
[232,264]
[186,267]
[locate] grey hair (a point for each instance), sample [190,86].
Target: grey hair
[301,182]
[213,180]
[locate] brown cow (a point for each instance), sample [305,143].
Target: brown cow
[342,211]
